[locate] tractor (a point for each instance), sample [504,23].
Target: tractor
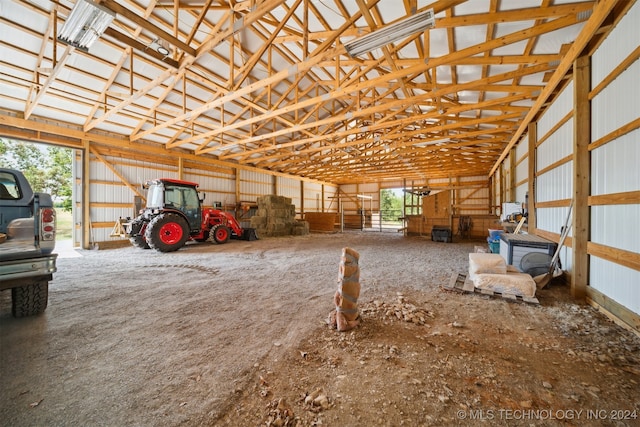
[174,214]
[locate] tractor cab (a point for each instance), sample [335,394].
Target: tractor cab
[169,194]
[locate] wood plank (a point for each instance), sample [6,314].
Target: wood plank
[453,280]
[468,286]
[510,297]
[321,221]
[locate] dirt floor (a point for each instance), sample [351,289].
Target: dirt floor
[235,335]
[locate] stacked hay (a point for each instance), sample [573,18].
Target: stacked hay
[276,217]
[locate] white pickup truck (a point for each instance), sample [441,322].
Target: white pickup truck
[27,241]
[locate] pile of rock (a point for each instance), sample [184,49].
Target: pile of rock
[276,216]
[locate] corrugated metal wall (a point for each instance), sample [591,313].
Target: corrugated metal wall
[218,187]
[111,195]
[554,181]
[614,164]
[612,248]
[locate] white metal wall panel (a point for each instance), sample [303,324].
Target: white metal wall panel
[312,197]
[330,199]
[624,38]
[289,187]
[618,104]
[616,226]
[107,189]
[521,192]
[558,146]
[616,282]
[561,106]
[555,184]
[614,166]
[612,163]
[217,187]
[254,184]
[522,170]
[552,219]
[522,149]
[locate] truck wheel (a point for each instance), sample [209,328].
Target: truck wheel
[30,299]
[139,242]
[167,232]
[220,233]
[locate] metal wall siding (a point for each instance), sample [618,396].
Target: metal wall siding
[618,104]
[522,149]
[561,106]
[611,164]
[288,187]
[616,226]
[522,170]
[250,191]
[555,184]
[330,199]
[616,282]
[614,166]
[617,46]
[558,146]
[312,197]
[552,219]
[521,192]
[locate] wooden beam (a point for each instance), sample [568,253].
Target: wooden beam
[147,25]
[32,104]
[600,12]
[581,177]
[118,174]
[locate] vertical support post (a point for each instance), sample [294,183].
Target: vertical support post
[531,207]
[180,167]
[512,175]
[238,176]
[86,195]
[581,175]
[301,199]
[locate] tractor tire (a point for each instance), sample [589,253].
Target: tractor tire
[167,232]
[220,234]
[29,300]
[139,242]
[137,234]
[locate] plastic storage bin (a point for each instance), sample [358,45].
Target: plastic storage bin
[514,246]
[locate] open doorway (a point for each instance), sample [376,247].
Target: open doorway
[48,169]
[391,214]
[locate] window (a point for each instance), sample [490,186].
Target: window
[9,189]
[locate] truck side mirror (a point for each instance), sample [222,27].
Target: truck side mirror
[201,196]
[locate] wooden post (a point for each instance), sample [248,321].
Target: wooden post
[180,167]
[86,196]
[531,207]
[581,175]
[237,201]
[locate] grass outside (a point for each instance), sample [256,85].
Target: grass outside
[64,223]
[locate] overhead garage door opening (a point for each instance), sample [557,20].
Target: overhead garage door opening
[48,169]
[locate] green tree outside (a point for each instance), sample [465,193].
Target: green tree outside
[390,205]
[47,169]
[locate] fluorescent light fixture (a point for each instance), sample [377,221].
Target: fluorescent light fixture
[85,24]
[396,31]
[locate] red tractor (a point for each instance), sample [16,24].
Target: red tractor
[174,214]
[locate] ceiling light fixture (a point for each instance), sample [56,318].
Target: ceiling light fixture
[396,31]
[85,24]
[160,46]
